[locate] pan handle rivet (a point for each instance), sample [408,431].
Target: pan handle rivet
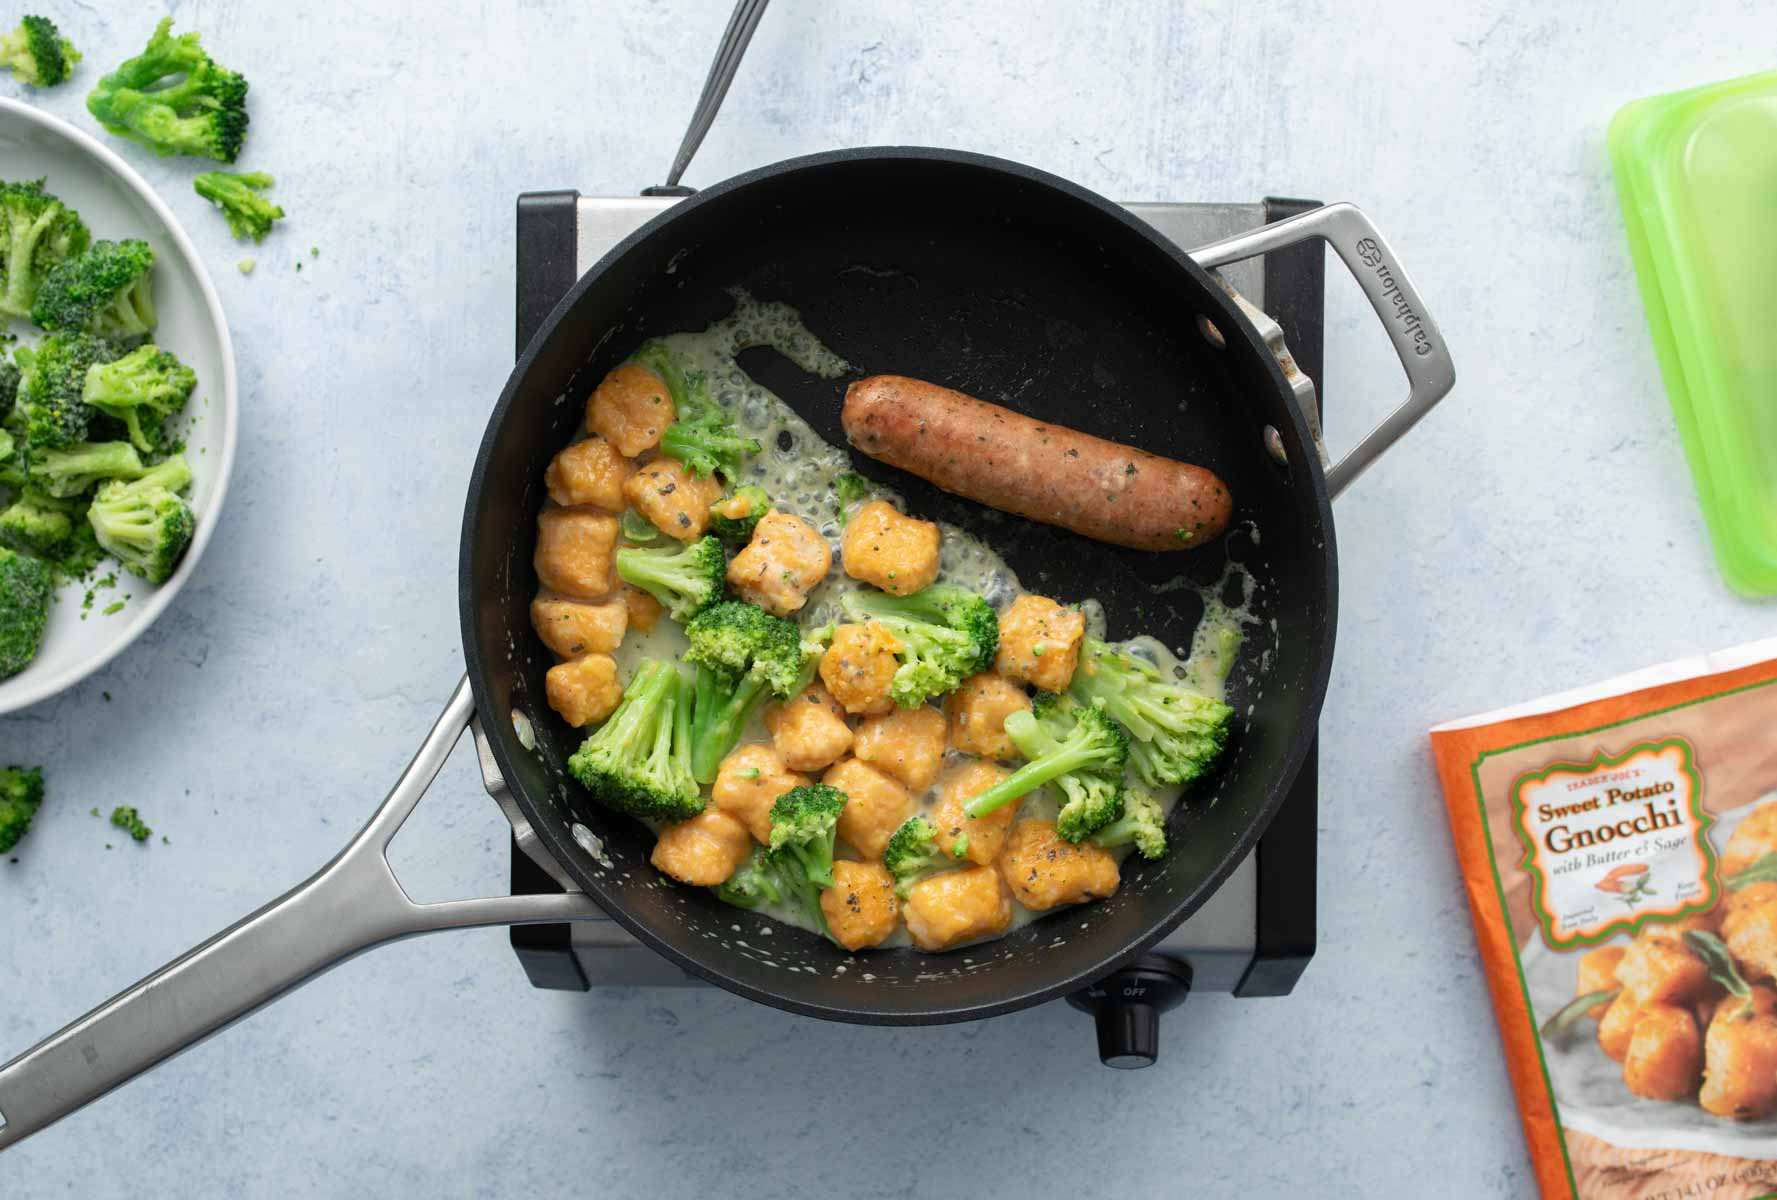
[1210,333]
[1274,446]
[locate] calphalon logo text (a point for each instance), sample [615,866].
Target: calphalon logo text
[1370,254]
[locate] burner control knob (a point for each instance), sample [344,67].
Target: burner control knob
[1127,1007]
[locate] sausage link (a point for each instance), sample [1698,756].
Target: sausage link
[1049,473]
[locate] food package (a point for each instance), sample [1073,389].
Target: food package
[1619,848]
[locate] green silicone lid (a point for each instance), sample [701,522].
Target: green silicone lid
[1696,172]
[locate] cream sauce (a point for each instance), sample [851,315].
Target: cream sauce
[797,469]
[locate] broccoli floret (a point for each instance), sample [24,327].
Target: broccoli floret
[249,214]
[1142,825]
[129,820]
[75,558]
[701,435]
[686,385]
[733,638]
[946,635]
[754,882]
[9,384]
[141,389]
[21,795]
[37,53]
[734,517]
[37,233]
[77,469]
[704,439]
[34,525]
[850,488]
[12,460]
[1176,734]
[913,853]
[1091,798]
[105,292]
[803,824]
[52,412]
[639,760]
[1082,750]
[144,524]
[201,111]
[742,654]
[685,579]
[25,588]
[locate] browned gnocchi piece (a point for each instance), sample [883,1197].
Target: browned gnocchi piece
[974,839]
[1665,1055]
[703,851]
[748,782]
[574,627]
[1044,870]
[782,562]
[1752,839]
[1740,1058]
[584,691]
[884,548]
[588,472]
[574,551]
[673,499]
[630,408]
[1598,973]
[859,665]
[874,808]
[953,907]
[1040,642]
[1750,930]
[978,711]
[860,907]
[907,743]
[809,729]
[1659,967]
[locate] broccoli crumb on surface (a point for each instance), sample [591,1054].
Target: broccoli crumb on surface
[249,214]
[37,53]
[112,609]
[246,265]
[126,818]
[21,795]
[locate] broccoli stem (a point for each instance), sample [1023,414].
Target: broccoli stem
[1049,759]
[722,713]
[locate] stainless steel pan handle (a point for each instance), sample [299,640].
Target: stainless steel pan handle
[350,905]
[1367,255]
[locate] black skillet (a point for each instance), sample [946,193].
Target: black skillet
[977,273]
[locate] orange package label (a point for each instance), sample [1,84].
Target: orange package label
[1611,842]
[1619,849]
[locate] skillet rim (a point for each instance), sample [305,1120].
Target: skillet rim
[1302,453]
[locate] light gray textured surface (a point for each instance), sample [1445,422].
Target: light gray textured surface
[1537,532]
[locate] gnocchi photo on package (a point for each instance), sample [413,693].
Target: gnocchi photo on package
[1619,847]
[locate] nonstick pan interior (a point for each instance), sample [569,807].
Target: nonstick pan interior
[1018,288]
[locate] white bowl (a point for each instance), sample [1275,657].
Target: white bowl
[115,203]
